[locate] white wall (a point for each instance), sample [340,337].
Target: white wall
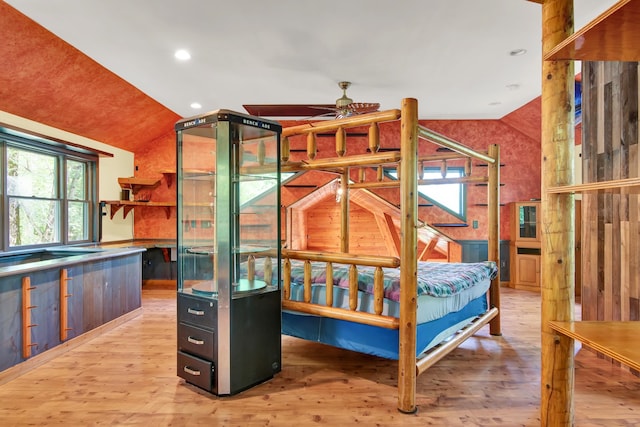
[109,169]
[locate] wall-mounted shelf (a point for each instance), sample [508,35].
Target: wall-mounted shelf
[631,185]
[612,36]
[137,184]
[169,174]
[127,206]
[614,339]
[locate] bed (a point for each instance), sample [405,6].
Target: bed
[390,306]
[450,295]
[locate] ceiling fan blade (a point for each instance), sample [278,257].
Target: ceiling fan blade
[363,107]
[287,110]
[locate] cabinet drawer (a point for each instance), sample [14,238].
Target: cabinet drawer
[197,311]
[196,340]
[194,370]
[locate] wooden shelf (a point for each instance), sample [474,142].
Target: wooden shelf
[127,206]
[169,174]
[617,340]
[137,184]
[630,185]
[612,36]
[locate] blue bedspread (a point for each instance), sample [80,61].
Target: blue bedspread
[434,278]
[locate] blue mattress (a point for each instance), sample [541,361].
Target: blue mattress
[440,313]
[375,340]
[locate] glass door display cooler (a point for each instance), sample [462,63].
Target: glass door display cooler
[228,210]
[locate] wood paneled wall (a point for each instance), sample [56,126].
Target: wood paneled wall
[610,227]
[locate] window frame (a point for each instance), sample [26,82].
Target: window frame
[391,173]
[62,153]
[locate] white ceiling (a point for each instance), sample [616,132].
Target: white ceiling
[452,55]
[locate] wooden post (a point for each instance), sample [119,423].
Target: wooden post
[329,284]
[64,304]
[493,248]
[27,344]
[558,212]
[285,149]
[344,212]
[312,145]
[407,372]
[374,137]
[341,142]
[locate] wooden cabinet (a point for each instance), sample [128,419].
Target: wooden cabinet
[528,270]
[525,245]
[40,309]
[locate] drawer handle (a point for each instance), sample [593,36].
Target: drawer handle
[195,312]
[195,341]
[190,371]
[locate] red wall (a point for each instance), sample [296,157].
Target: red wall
[520,154]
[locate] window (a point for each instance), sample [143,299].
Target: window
[32,198]
[77,201]
[450,197]
[48,192]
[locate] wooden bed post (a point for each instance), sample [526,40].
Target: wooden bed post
[494,233]
[344,211]
[407,371]
[558,212]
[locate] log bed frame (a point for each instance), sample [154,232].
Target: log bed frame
[407,161]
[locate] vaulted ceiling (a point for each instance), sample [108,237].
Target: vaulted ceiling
[101,70]
[45,79]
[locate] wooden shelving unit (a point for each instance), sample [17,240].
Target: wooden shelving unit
[612,36]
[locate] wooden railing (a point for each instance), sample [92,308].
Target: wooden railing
[352,314]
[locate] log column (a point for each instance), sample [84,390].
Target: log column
[407,371]
[558,213]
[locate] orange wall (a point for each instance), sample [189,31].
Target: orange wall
[520,174]
[520,154]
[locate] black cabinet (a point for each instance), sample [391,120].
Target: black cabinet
[228,251]
[254,348]
[196,340]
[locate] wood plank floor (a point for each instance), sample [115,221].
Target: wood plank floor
[127,377]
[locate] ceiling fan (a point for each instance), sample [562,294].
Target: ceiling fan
[344,107]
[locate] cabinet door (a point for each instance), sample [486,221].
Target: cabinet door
[45,300]
[527,217]
[528,270]
[10,322]
[97,276]
[74,299]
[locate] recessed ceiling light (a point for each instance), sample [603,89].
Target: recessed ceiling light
[196,105]
[182,55]
[518,52]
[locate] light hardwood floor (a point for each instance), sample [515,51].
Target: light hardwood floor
[128,377]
